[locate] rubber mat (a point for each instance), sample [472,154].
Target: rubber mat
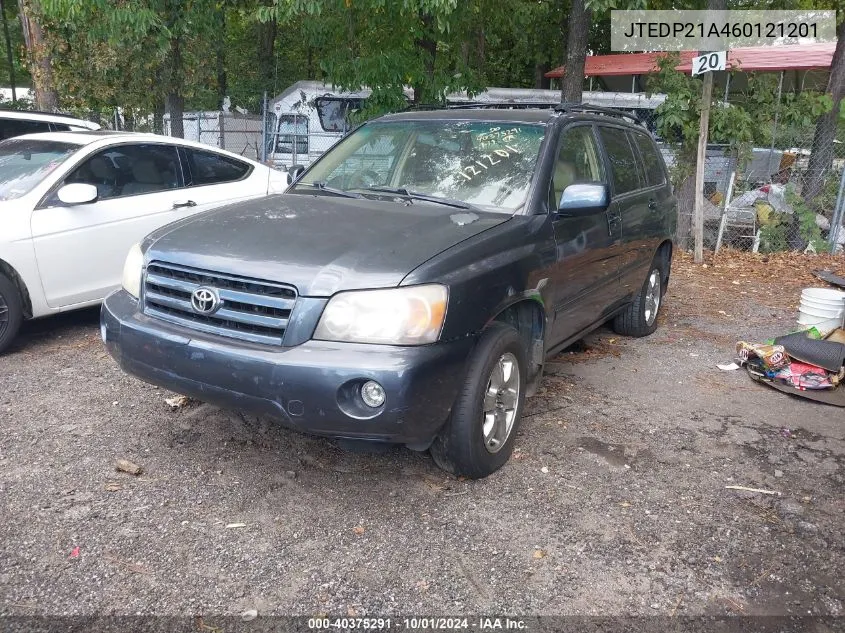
[833,397]
[826,354]
[829,277]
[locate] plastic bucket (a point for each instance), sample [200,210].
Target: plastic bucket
[820,311]
[822,308]
[824,295]
[821,305]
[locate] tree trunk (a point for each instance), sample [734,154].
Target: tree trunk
[41,68]
[821,157]
[9,57]
[266,36]
[176,110]
[158,116]
[175,100]
[422,87]
[576,52]
[220,54]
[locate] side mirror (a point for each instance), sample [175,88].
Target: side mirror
[77,193]
[294,171]
[584,199]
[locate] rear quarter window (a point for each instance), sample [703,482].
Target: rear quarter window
[622,159]
[652,161]
[208,168]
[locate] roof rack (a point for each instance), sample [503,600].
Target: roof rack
[586,107]
[501,105]
[562,107]
[481,105]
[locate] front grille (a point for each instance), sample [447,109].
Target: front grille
[251,310]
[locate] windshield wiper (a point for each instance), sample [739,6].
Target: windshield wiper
[416,195]
[322,186]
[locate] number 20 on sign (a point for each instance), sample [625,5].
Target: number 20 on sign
[709,62]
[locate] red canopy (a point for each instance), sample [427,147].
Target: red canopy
[761,58]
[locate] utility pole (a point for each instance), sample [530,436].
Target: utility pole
[701,154]
[700,158]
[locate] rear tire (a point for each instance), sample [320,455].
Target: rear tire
[479,437]
[11,312]
[640,317]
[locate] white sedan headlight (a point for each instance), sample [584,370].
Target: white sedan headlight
[132,271]
[396,316]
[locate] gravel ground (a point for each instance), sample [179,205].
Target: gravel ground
[615,501]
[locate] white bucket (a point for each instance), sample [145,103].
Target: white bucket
[822,308]
[822,305]
[820,311]
[837,297]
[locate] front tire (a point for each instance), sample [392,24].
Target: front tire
[479,437]
[640,317]
[11,312]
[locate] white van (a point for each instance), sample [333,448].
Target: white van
[311,116]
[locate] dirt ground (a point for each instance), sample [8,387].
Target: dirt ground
[614,503]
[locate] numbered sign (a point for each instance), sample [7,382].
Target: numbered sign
[709,62]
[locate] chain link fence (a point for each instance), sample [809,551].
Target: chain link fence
[754,198]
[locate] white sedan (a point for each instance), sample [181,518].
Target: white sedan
[73,203]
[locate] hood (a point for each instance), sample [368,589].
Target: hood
[321,244]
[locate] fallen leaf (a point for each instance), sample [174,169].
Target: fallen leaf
[539,553]
[422,585]
[351,612]
[74,553]
[113,486]
[177,401]
[359,529]
[718,559]
[231,526]
[124,465]
[624,504]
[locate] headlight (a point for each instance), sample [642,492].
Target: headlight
[398,316]
[132,271]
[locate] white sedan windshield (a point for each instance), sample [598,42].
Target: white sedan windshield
[26,162]
[489,164]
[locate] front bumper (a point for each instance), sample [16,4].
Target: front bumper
[311,387]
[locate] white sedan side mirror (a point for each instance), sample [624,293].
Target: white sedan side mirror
[77,193]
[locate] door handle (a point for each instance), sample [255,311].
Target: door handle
[652,204]
[184,203]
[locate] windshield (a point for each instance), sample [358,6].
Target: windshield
[481,163]
[25,162]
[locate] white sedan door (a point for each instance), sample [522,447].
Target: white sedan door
[81,248]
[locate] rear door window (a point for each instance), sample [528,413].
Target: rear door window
[652,162]
[622,159]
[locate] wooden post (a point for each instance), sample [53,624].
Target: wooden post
[700,157]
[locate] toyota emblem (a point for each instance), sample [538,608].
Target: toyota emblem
[205,300]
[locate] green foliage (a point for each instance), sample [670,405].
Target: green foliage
[807,227]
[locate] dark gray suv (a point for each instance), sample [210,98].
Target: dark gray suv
[409,285]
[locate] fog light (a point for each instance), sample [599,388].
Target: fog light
[372,394]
